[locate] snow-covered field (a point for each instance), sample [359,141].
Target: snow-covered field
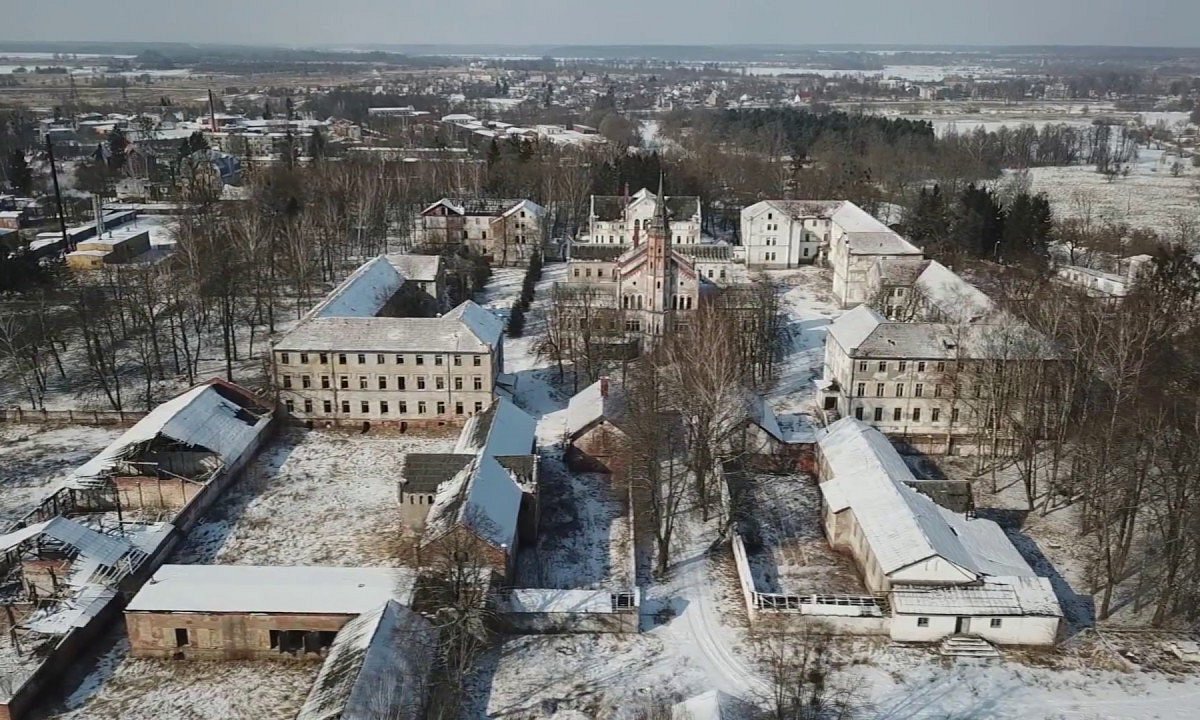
[35,460]
[316,497]
[809,307]
[1149,197]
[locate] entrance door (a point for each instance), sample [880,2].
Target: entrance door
[962,625]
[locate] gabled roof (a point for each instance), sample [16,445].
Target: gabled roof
[377,668]
[203,417]
[612,207]
[901,526]
[482,207]
[795,209]
[467,328]
[484,498]
[484,324]
[957,299]
[591,405]
[502,429]
[363,294]
[423,268]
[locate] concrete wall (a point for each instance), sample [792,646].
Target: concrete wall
[226,636]
[625,621]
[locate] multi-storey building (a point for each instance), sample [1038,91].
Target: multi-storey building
[617,219]
[348,362]
[786,233]
[506,231]
[856,242]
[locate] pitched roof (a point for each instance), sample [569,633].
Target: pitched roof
[467,328]
[202,417]
[422,268]
[591,404]
[482,497]
[377,668]
[316,590]
[957,299]
[424,472]
[854,327]
[612,207]
[363,294]
[502,429]
[902,526]
[482,323]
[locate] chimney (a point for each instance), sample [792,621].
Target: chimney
[604,386]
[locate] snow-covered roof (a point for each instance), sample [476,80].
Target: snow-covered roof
[363,294]
[994,596]
[903,527]
[855,326]
[423,268]
[482,497]
[957,299]
[595,403]
[377,668]
[466,329]
[61,617]
[200,417]
[315,590]
[502,429]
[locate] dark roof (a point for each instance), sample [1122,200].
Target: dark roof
[704,252]
[596,251]
[608,207]
[953,495]
[424,472]
[612,207]
[682,207]
[520,465]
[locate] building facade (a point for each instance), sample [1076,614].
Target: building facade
[857,241]
[616,219]
[785,233]
[508,231]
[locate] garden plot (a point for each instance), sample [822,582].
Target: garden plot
[785,541]
[318,497]
[36,460]
[584,540]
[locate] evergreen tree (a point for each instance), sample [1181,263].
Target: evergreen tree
[20,176]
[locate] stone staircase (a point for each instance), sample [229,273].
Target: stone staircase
[967,646]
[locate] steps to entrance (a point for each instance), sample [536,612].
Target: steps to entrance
[967,646]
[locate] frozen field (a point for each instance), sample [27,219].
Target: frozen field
[319,497]
[35,460]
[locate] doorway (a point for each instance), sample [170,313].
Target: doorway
[962,625]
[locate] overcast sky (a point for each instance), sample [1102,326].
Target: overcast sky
[307,22]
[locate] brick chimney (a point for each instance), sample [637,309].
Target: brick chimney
[604,386]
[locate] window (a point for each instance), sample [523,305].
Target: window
[478,406]
[954,415]
[365,407]
[383,382]
[899,389]
[287,381]
[477,382]
[858,413]
[438,359]
[995,622]
[941,367]
[878,389]
[458,408]
[920,367]
[882,367]
[308,406]
[477,361]
[918,390]
[441,408]
[289,405]
[379,359]
[400,382]
[341,358]
[917,414]
[439,382]
[458,383]
[344,382]
[421,407]
[362,358]
[362,382]
[420,382]
[922,622]
[896,413]
[935,414]
[399,359]
[420,359]
[903,365]
[878,414]
[327,406]
[283,360]
[383,407]
[937,390]
[403,406]
[458,361]
[306,381]
[181,637]
[324,358]
[303,358]
[862,389]
[862,366]
[346,407]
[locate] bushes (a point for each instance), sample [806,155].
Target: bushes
[516,319]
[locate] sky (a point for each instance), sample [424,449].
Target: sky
[607,22]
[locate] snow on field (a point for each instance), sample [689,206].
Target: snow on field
[35,460]
[584,538]
[786,544]
[808,307]
[1149,197]
[125,688]
[316,497]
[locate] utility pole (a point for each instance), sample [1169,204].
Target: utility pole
[62,219]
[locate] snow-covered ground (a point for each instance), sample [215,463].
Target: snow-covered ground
[1149,197]
[317,497]
[35,460]
[808,307]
